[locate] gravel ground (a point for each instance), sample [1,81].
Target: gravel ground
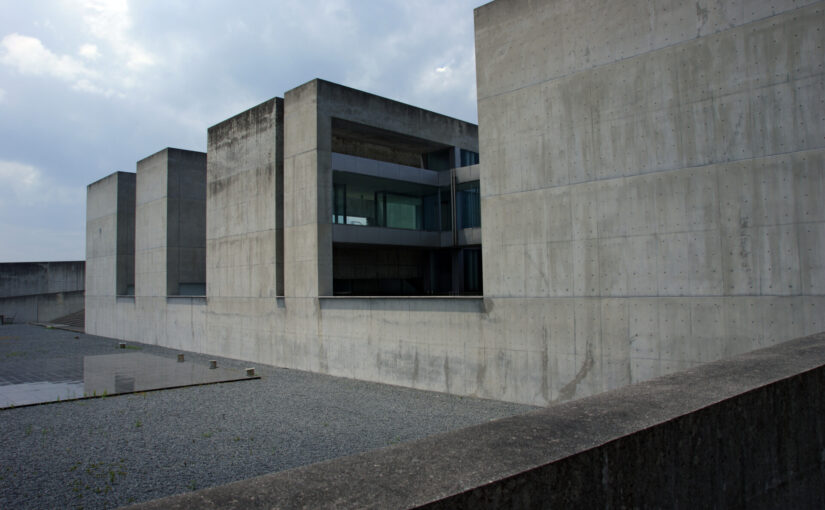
[102,453]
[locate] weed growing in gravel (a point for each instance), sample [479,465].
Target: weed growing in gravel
[97,477]
[138,424]
[28,430]
[207,434]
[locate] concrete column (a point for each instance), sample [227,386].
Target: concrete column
[308,196]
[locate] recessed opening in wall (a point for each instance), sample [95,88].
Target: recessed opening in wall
[405,220]
[380,270]
[125,235]
[380,144]
[186,224]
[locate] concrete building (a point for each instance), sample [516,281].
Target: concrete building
[651,187]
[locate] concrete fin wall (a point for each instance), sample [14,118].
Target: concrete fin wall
[245,236]
[170,232]
[110,213]
[244,203]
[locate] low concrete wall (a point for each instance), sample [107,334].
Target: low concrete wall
[29,278]
[41,291]
[744,432]
[41,307]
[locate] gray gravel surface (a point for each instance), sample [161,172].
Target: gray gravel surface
[107,452]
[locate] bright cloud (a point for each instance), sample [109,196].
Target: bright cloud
[110,21]
[28,56]
[89,52]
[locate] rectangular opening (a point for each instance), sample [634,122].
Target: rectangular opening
[125,235]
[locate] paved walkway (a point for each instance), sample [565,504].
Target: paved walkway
[112,451]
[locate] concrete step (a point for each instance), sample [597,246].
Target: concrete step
[74,321]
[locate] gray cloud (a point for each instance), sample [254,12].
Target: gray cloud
[88,87]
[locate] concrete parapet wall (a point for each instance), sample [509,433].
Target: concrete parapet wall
[41,291]
[42,307]
[744,432]
[30,278]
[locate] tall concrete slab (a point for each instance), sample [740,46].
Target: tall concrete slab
[170,222]
[110,248]
[245,249]
[661,161]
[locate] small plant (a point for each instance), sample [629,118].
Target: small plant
[138,424]
[28,430]
[207,434]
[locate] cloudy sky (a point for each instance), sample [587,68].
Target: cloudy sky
[88,87]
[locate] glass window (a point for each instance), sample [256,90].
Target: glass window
[446,210]
[404,212]
[438,160]
[430,212]
[468,158]
[468,206]
[472,270]
[339,202]
[370,201]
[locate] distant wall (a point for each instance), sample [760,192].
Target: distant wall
[40,291]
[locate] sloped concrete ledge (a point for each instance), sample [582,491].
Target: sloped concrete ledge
[743,432]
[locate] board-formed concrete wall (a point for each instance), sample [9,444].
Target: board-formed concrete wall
[110,213]
[170,222]
[245,232]
[30,278]
[653,180]
[41,291]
